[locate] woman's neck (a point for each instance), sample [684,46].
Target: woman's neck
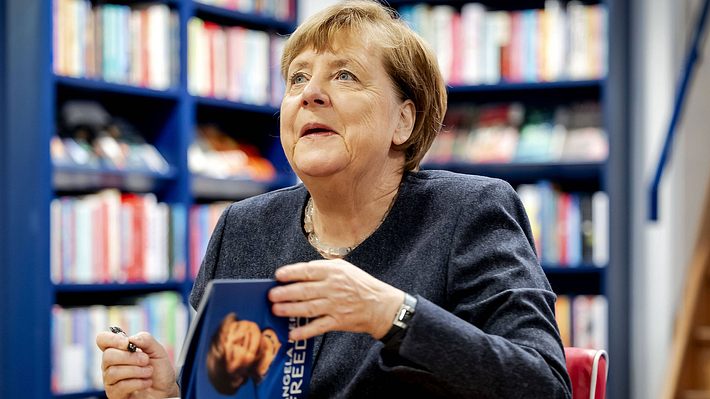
[347,211]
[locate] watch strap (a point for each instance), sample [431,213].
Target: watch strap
[401,319]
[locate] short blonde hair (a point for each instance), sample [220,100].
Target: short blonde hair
[408,60]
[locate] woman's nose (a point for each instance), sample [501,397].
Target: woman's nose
[314,95]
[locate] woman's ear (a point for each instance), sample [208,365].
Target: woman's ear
[407,117]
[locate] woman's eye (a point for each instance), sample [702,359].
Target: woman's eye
[345,75]
[298,79]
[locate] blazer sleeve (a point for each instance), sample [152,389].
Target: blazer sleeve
[499,339]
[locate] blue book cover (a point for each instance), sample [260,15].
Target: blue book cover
[236,348]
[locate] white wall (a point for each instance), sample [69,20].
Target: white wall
[661,33]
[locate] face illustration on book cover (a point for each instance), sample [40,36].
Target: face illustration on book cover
[237,348]
[240,351]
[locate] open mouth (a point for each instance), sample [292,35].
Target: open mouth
[316,129]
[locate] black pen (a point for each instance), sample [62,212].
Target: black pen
[118,330]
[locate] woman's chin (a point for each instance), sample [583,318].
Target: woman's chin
[318,166]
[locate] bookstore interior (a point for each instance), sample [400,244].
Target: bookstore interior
[127,127]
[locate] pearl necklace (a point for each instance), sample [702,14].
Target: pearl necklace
[327,251]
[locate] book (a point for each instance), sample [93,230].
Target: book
[589,316]
[221,356]
[600,227]
[563,315]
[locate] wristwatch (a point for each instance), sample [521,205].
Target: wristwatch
[401,319]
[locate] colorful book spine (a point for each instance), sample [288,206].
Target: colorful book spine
[76,362]
[113,237]
[283,10]
[554,43]
[582,320]
[203,219]
[135,45]
[566,227]
[233,63]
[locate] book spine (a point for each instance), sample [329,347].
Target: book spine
[110,237]
[600,223]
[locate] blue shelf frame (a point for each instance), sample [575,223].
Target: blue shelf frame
[69,179]
[541,93]
[209,188]
[235,106]
[234,17]
[576,280]
[490,4]
[96,85]
[5,338]
[118,287]
[518,172]
[112,293]
[27,297]
[562,85]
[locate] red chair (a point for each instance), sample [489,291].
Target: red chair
[587,369]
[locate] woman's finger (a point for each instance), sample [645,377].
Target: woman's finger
[312,308]
[106,339]
[115,374]
[311,271]
[315,327]
[147,343]
[297,291]
[117,357]
[123,388]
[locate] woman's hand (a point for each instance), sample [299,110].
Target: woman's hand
[337,295]
[147,373]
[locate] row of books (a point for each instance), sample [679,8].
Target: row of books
[137,45]
[216,154]
[234,63]
[500,133]
[116,237]
[283,10]
[582,320]
[203,219]
[479,46]
[569,228]
[76,360]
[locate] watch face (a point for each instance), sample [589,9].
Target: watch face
[405,312]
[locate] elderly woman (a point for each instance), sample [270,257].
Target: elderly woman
[368,239]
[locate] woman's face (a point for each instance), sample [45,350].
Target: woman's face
[246,347]
[241,347]
[340,111]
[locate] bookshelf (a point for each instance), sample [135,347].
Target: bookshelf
[33,89]
[166,118]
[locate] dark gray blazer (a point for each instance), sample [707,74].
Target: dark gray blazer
[484,325]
